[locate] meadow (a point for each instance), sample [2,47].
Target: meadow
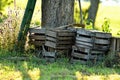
[34,68]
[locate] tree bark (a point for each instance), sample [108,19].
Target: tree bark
[57,13]
[93,10]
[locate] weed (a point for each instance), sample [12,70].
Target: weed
[106,25]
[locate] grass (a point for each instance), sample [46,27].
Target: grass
[62,69]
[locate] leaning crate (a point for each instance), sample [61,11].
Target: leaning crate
[37,37]
[92,44]
[59,39]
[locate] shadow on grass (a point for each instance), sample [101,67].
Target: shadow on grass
[38,69]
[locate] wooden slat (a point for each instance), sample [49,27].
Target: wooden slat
[93,33]
[80,55]
[84,32]
[69,40]
[50,44]
[103,35]
[102,41]
[55,46]
[48,38]
[37,30]
[83,43]
[118,45]
[51,33]
[37,37]
[66,34]
[84,39]
[49,54]
[97,52]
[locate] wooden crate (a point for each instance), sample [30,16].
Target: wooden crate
[59,39]
[37,36]
[85,55]
[115,44]
[90,46]
[93,39]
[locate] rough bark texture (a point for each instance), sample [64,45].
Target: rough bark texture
[93,10]
[56,13]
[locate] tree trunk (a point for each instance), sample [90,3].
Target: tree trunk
[93,10]
[57,13]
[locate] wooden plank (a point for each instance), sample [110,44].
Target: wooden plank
[102,41]
[48,38]
[84,43]
[93,33]
[66,38]
[103,35]
[49,54]
[66,34]
[51,33]
[84,32]
[80,55]
[97,52]
[37,30]
[37,37]
[101,47]
[84,39]
[118,44]
[84,46]
[50,44]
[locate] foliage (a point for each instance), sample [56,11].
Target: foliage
[4,3]
[9,30]
[106,25]
[112,60]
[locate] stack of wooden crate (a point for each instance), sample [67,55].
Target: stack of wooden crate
[59,39]
[90,46]
[37,37]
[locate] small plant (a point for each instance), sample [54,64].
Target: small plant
[106,25]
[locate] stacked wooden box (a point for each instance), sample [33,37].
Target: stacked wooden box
[90,46]
[37,36]
[59,39]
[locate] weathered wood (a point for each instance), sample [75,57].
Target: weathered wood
[51,33]
[58,33]
[84,43]
[37,30]
[80,55]
[49,54]
[84,39]
[102,41]
[56,46]
[93,33]
[60,39]
[115,44]
[37,37]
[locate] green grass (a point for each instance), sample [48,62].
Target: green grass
[62,69]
